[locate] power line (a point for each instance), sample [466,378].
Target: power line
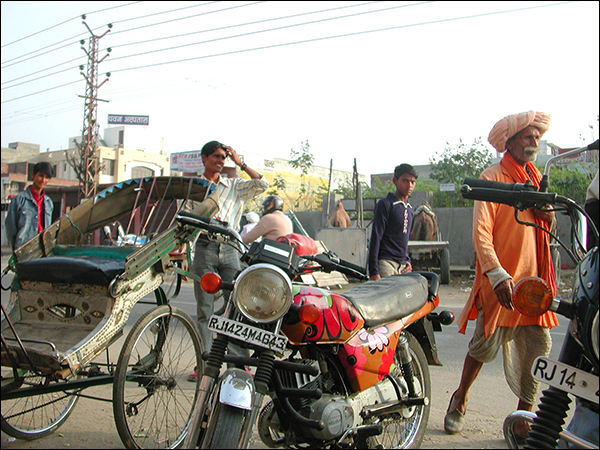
[337,36]
[244,24]
[267,30]
[62,23]
[163,12]
[203,31]
[84,34]
[39,92]
[312,40]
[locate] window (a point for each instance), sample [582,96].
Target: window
[109,167]
[141,172]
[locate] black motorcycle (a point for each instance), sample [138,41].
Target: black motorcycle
[576,371]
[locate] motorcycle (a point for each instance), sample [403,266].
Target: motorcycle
[331,370]
[576,371]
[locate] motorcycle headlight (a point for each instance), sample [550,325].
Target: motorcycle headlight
[263,293]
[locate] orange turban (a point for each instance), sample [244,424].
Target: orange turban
[511,125]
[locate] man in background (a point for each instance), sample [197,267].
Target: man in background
[273,223]
[252,218]
[392,221]
[30,211]
[223,259]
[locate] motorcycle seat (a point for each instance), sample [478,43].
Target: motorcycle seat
[389,298]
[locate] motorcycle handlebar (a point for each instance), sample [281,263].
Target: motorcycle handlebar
[203,222]
[330,262]
[519,195]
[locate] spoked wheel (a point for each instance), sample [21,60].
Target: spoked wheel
[34,416]
[407,429]
[153,401]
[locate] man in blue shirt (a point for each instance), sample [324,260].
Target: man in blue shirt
[30,211]
[392,221]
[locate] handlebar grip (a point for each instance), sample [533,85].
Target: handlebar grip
[490,184]
[354,267]
[330,262]
[521,195]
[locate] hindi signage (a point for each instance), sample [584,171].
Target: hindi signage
[116,119]
[444,187]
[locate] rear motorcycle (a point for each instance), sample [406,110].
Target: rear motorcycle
[576,371]
[331,370]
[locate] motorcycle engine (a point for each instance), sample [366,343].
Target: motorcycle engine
[337,416]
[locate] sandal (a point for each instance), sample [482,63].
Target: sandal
[193,377]
[454,421]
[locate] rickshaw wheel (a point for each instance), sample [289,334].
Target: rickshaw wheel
[153,401]
[35,416]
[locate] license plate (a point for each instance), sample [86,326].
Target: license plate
[566,378]
[247,333]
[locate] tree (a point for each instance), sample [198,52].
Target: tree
[453,165]
[307,198]
[571,180]
[77,161]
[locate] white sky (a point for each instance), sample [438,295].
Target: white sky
[383,97]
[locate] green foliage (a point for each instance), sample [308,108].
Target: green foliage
[346,189]
[568,180]
[427,185]
[453,165]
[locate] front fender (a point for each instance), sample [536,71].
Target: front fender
[236,388]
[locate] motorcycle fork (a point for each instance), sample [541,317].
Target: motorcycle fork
[264,371]
[207,384]
[406,364]
[554,404]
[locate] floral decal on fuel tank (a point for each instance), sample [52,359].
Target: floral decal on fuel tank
[369,356]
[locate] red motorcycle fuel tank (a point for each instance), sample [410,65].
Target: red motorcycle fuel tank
[338,320]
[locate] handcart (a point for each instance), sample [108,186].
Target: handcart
[70,300]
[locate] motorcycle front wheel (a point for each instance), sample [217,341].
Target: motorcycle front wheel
[226,425]
[408,429]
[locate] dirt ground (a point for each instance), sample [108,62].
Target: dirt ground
[92,425]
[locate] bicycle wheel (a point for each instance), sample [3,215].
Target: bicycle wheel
[153,401]
[34,416]
[172,281]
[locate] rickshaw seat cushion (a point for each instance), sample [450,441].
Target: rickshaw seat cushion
[75,270]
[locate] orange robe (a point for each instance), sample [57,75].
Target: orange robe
[500,241]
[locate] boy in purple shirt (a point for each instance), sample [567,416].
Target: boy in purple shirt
[392,221]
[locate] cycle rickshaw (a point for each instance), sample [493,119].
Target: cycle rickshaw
[70,300]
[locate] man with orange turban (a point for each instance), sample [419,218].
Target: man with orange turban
[506,253]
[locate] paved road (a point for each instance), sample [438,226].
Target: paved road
[92,425]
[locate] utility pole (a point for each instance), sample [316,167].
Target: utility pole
[358,197]
[88,148]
